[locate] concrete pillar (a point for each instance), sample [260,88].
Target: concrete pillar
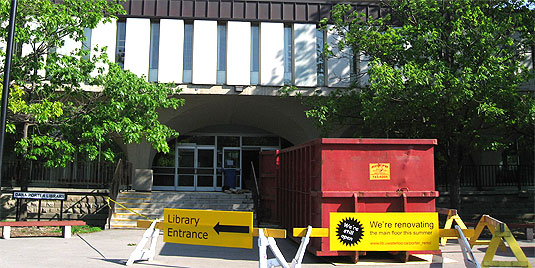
[142,179]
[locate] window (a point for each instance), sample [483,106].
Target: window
[320,44]
[188,52]
[255,48]
[154,53]
[354,66]
[288,62]
[86,43]
[221,53]
[120,48]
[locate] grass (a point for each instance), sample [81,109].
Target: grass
[81,229]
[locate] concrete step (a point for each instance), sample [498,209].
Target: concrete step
[135,217]
[159,209]
[152,204]
[217,203]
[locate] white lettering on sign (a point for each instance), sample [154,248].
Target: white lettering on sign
[33,195]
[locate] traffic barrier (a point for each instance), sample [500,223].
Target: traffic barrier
[469,258]
[452,217]
[266,238]
[141,253]
[500,234]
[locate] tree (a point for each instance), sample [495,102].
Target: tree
[65,106]
[449,70]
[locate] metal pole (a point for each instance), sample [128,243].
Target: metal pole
[5,91]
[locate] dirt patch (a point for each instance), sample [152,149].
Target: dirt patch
[35,231]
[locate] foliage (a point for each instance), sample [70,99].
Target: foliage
[450,70]
[65,105]
[84,229]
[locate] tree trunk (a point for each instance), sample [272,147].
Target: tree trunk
[453,173]
[23,178]
[454,181]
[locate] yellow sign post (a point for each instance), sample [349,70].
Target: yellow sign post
[208,227]
[383,231]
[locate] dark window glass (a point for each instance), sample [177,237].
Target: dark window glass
[86,44]
[260,141]
[121,38]
[288,62]
[255,47]
[188,52]
[221,53]
[154,51]
[320,59]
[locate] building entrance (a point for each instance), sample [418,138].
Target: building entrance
[210,163]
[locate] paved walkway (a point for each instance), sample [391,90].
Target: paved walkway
[111,248]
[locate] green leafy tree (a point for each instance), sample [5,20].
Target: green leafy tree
[450,70]
[76,105]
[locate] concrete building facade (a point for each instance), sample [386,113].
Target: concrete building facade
[230,59]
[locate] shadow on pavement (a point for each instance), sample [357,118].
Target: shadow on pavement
[138,263]
[286,246]
[528,251]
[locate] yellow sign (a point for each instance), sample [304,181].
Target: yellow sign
[208,227]
[379,171]
[391,231]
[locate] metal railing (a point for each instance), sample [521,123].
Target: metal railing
[88,175]
[489,176]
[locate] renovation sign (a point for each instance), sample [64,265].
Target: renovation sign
[208,227]
[391,231]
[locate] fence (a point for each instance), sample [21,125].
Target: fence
[489,176]
[89,175]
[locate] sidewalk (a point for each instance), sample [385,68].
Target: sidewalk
[111,248]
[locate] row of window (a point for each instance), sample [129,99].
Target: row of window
[288,56]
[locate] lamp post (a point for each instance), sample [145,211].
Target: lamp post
[5,91]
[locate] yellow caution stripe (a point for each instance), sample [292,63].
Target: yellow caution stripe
[131,210]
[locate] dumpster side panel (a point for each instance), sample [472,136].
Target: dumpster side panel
[348,167]
[268,184]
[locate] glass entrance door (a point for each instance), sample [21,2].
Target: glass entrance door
[185,168]
[232,167]
[205,180]
[195,168]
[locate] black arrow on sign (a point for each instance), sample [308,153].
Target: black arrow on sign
[231,228]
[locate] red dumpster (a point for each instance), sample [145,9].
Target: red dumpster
[350,175]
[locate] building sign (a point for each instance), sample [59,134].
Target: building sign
[391,231]
[208,227]
[34,195]
[379,171]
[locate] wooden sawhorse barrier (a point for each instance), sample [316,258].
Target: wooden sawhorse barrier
[500,234]
[452,217]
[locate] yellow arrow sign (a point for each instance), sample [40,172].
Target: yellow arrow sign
[208,227]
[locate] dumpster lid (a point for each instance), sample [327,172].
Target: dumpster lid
[376,141]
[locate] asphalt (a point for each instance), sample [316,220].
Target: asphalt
[111,248]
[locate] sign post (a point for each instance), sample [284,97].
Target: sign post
[383,231]
[208,227]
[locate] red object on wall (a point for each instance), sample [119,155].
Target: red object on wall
[346,175]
